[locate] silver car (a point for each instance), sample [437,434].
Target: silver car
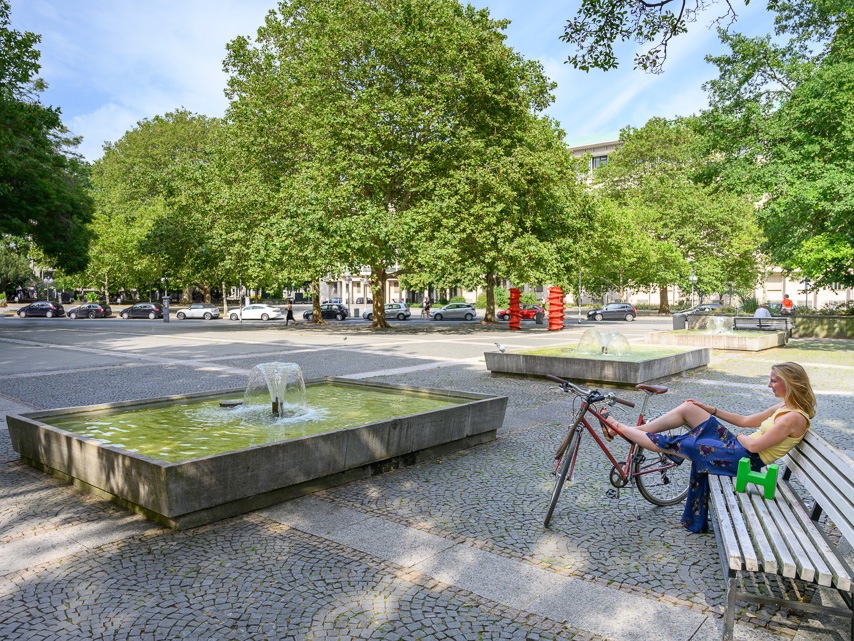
[198,310]
[400,311]
[463,311]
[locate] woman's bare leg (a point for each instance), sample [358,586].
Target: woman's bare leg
[685,414]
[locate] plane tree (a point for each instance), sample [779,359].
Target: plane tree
[44,189]
[673,224]
[358,113]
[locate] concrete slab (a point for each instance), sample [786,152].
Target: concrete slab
[384,539]
[53,545]
[581,604]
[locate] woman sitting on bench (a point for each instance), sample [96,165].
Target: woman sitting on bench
[713,449]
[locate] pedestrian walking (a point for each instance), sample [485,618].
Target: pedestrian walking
[290,313]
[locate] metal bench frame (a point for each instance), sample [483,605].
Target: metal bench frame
[781,536]
[776,323]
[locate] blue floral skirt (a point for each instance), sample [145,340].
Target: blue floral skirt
[712,449]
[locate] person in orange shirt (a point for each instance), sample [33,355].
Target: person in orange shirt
[787,306]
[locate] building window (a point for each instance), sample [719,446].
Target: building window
[599,161]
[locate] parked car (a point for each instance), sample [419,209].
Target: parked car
[90,310]
[333,301]
[528,312]
[44,308]
[464,311]
[143,310]
[361,301]
[198,310]
[257,311]
[400,311]
[613,311]
[705,308]
[329,310]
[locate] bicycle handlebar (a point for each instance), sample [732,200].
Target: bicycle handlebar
[590,394]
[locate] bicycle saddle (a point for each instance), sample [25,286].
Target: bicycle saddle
[653,389]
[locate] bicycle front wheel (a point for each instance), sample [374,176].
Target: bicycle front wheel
[566,463]
[660,481]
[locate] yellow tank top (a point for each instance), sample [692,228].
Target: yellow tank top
[782,448]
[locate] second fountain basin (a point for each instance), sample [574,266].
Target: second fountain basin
[639,367]
[201,490]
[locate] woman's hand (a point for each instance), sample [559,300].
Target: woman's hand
[702,406]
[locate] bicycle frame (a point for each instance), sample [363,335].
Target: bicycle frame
[623,469]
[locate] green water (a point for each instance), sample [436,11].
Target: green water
[186,431]
[637,354]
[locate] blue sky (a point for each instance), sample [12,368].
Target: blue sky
[112,63]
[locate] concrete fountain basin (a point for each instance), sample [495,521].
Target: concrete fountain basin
[200,490]
[620,370]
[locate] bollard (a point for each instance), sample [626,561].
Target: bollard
[767,479]
[165,309]
[515,310]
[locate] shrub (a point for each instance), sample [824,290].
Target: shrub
[749,304]
[91,297]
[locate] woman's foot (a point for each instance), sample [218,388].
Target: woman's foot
[607,431]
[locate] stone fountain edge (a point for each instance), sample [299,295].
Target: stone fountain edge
[192,493]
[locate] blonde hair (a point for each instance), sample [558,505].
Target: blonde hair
[799,394]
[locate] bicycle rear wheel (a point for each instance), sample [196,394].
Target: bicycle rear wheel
[566,462]
[660,481]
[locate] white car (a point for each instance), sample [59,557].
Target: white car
[257,311]
[198,310]
[400,311]
[454,310]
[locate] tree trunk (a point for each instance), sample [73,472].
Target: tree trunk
[489,315]
[224,301]
[663,305]
[316,316]
[379,278]
[206,292]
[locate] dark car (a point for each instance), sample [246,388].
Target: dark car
[613,311]
[528,312]
[143,310]
[329,310]
[43,308]
[361,301]
[90,310]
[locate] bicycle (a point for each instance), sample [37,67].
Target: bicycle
[660,480]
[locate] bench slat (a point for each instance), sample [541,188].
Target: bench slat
[806,571]
[751,562]
[828,475]
[724,524]
[841,577]
[760,541]
[785,559]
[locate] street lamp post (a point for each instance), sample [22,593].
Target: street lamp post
[693,279]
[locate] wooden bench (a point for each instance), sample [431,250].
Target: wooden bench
[775,323]
[783,536]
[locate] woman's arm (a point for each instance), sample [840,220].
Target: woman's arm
[754,420]
[788,424]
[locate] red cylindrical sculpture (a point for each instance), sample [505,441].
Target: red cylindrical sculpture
[555,309]
[515,310]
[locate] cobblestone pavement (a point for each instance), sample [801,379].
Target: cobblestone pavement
[76,567]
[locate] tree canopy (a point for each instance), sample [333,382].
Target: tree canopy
[661,225]
[599,24]
[780,129]
[373,125]
[43,185]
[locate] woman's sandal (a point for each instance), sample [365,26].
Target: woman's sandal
[607,431]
